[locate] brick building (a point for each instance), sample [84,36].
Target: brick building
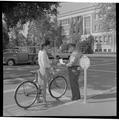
[86,21]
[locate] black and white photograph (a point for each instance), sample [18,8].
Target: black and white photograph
[59,59]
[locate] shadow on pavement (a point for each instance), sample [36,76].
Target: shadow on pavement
[50,104]
[14,81]
[106,97]
[102,101]
[13,76]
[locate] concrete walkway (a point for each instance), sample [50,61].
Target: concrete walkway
[101,103]
[78,108]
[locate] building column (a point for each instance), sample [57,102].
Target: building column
[113,41]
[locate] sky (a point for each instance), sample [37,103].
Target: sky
[70,6]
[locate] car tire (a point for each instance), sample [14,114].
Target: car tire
[10,62]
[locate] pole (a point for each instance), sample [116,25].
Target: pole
[85,84]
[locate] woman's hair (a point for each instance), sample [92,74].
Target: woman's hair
[46,43]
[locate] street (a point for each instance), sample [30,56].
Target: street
[101,85]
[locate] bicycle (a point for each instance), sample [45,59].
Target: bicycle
[31,91]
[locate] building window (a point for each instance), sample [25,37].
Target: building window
[87,25]
[95,39]
[105,39]
[74,19]
[95,28]
[100,50]
[109,50]
[100,38]
[78,18]
[68,21]
[65,21]
[96,16]
[105,50]
[109,38]
[100,26]
[96,50]
[100,16]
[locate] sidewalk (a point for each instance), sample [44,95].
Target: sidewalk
[99,103]
[78,108]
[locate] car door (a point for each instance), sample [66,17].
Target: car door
[22,57]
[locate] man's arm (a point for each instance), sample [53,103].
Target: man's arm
[71,60]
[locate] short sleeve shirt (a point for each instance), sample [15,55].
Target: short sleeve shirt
[74,58]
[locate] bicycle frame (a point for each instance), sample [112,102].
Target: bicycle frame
[39,88]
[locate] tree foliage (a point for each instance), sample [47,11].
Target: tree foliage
[86,46]
[44,29]
[55,35]
[4,32]
[108,13]
[24,11]
[5,38]
[76,29]
[16,38]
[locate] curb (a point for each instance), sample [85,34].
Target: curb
[100,55]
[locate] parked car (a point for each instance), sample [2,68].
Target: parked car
[20,56]
[64,55]
[15,56]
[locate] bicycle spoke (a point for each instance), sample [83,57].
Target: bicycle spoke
[58,87]
[26,94]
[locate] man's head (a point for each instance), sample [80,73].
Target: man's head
[72,47]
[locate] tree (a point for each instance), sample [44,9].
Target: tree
[22,12]
[60,37]
[76,29]
[5,38]
[86,46]
[42,30]
[108,12]
[16,36]
[4,32]
[56,36]
[91,43]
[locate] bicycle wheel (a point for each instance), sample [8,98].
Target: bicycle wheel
[26,94]
[58,87]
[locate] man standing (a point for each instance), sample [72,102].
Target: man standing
[74,72]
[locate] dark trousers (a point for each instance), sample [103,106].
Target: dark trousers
[73,78]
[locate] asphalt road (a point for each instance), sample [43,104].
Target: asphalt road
[101,77]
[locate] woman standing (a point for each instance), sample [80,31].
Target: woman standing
[44,66]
